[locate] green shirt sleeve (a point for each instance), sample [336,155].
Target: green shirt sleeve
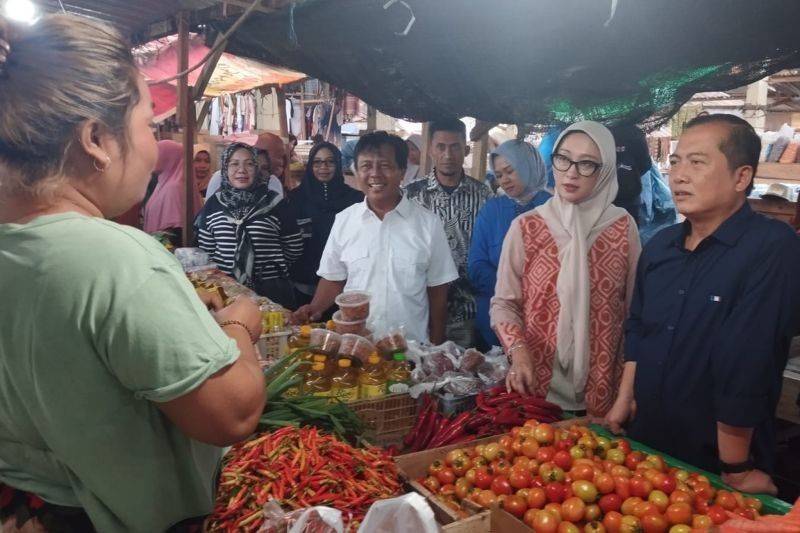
[162,343]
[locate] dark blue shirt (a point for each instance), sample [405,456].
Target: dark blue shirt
[710,331]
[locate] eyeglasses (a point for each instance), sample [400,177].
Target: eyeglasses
[248,165]
[323,163]
[585,168]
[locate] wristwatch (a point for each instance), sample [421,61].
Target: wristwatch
[735,468]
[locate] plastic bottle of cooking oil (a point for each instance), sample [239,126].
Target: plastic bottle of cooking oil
[372,381]
[321,358]
[344,383]
[302,339]
[398,377]
[318,382]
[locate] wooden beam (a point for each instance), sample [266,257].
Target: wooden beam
[372,118]
[424,156]
[208,69]
[479,156]
[303,132]
[481,128]
[245,4]
[279,97]
[784,79]
[186,118]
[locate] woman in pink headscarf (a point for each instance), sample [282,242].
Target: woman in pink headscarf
[164,210]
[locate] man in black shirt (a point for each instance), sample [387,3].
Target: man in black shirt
[713,313]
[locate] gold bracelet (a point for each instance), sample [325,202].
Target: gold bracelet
[253,338]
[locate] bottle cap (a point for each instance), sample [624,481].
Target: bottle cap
[318,367]
[305,331]
[319,358]
[345,363]
[399,356]
[374,359]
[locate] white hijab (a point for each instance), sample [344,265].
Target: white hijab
[575,228]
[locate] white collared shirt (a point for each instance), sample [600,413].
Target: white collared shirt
[395,259]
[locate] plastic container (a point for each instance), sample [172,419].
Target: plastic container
[318,382]
[355,327]
[344,383]
[398,378]
[391,341]
[356,346]
[354,305]
[372,381]
[325,341]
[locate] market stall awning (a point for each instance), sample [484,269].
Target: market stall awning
[539,61]
[159,60]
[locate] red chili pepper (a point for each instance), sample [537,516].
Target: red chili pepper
[454,428]
[411,436]
[476,421]
[502,399]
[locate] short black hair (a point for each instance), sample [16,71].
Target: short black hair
[449,124]
[374,141]
[742,147]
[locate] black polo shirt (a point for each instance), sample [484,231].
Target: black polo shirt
[710,331]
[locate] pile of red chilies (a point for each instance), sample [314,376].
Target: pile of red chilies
[300,468]
[496,412]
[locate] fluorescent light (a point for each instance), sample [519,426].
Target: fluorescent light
[20,10]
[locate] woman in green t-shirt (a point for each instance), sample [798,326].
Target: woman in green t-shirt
[118,388]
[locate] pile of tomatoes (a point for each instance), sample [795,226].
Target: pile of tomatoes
[571,480]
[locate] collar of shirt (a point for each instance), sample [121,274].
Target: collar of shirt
[728,233]
[433,182]
[403,208]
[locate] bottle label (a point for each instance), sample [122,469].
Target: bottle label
[397,386]
[347,394]
[372,391]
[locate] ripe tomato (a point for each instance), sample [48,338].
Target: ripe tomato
[680,496]
[701,521]
[554,491]
[523,493]
[463,488]
[640,487]
[452,455]
[500,467]
[529,447]
[745,513]
[521,461]
[660,499]
[573,509]
[622,445]
[550,472]
[564,444]
[629,504]
[703,490]
[446,476]
[701,505]
[562,460]
[528,517]
[536,498]
[506,441]
[544,522]
[568,527]
[432,484]
[577,452]
[515,505]
[582,471]
[593,513]
[679,513]
[654,523]
[554,508]
[612,521]
[520,478]
[725,499]
[610,502]
[667,483]
[680,528]
[491,451]
[435,467]
[544,434]
[604,483]
[545,454]
[621,471]
[717,514]
[448,491]
[585,490]
[461,465]
[622,487]
[616,456]
[483,479]
[644,508]
[487,498]
[753,503]
[500,485]
[633,459]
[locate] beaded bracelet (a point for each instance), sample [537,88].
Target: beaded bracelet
[253,338]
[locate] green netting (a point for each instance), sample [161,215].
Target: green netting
[529,61]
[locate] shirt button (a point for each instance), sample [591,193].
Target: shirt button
[681,292]
[671,328]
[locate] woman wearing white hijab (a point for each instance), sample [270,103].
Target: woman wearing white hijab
[565,280]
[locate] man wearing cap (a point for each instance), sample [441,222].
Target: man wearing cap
[714,310]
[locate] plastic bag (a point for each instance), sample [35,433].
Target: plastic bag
[494,370]
[310,520]
[460,384]
[404,514]
[193,259]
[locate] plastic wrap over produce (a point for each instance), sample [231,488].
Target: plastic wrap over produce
[451,369]
[310,520]
[404,514]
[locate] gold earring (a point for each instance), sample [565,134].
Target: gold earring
[108,162]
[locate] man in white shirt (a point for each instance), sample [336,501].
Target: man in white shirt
[273,147]
[389,246]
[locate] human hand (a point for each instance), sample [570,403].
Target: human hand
[753,481]
[622,412]
[243,310]
[520,376]
[305,314]
[211,299]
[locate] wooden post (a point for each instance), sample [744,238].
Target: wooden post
[303,132]
[479,157]
[279,97]
[756,105]
[372,118]
[424,156]
[186,118]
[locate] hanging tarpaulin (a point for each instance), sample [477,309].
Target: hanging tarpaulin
[159,60]
[528,61]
